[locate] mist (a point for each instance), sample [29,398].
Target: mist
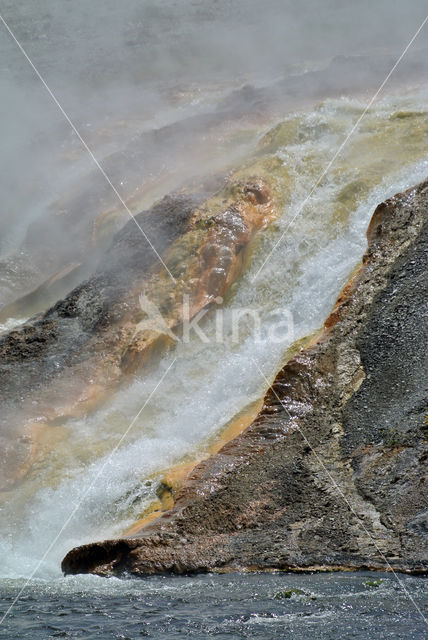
[123,71]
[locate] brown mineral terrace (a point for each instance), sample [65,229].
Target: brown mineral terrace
[65,362]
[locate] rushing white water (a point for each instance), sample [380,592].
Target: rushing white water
[206,384]
[10,324]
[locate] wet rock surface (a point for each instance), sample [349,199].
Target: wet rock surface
[65,362]
[50,342]
[331,473]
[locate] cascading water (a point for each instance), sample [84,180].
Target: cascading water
[311,252]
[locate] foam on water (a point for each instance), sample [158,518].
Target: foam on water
[235,606]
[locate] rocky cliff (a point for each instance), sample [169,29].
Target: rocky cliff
[331,472]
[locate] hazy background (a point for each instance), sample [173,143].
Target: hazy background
[120,68]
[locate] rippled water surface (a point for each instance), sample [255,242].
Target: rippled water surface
[327,606]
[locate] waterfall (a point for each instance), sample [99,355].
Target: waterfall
[311,252]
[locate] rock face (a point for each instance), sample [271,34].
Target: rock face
[331,472]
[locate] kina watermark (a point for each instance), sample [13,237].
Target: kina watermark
[216,323]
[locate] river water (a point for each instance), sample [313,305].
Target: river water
[326,607]
[169,62]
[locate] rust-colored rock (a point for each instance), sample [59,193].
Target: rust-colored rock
[331,472]
[65,362]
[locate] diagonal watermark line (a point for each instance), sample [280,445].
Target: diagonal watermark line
[159,257]
[339,150]
[85,145]
[344,498]
[86,492]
